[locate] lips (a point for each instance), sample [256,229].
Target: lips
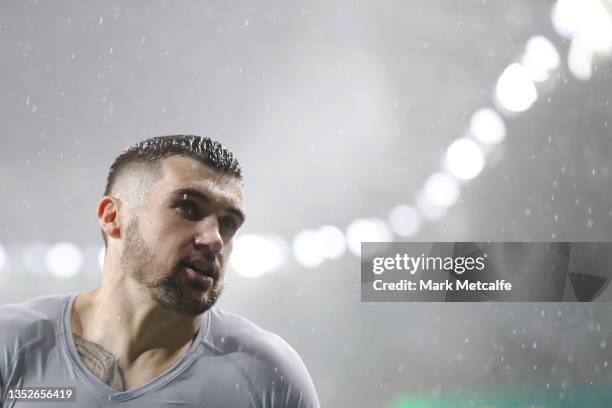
[201,268]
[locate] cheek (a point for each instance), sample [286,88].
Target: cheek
[172,243]
[152,228]
[172,229]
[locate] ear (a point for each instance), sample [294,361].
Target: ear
[108,216]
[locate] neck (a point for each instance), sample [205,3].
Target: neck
[129,323]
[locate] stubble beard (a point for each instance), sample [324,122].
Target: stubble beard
[172,292]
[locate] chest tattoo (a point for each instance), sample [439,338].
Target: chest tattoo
[102,363]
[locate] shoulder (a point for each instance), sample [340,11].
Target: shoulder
[231,332]
[32,319]
[272,365]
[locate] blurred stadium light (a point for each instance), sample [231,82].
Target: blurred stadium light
[256,255]
[63,260]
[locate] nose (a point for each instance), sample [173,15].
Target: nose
[209,236]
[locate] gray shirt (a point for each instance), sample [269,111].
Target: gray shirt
[232,363]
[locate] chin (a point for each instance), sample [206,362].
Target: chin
[183,297]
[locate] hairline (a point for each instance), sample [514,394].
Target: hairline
[155,166]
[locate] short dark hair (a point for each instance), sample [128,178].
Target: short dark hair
[152,151]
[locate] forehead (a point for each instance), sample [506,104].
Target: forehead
[180,172]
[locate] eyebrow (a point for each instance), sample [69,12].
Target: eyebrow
[203,197]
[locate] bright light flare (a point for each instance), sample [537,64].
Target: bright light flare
[487,126]
[404,220]
[307,249]
[428,209]
[567,16]
[366,230]
[332,241]
[34,259]
[515,90]
[441,190]
[540,58]
[580,61]
[254,255]
[585,21]
[63,260]
[464,159]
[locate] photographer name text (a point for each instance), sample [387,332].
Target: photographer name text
[430,285]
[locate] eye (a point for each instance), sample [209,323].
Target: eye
[188,207]
[228,224]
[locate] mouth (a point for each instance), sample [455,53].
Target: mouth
[201,269]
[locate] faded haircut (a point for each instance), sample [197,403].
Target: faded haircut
[150,152]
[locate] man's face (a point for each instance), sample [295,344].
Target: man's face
[178,243]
